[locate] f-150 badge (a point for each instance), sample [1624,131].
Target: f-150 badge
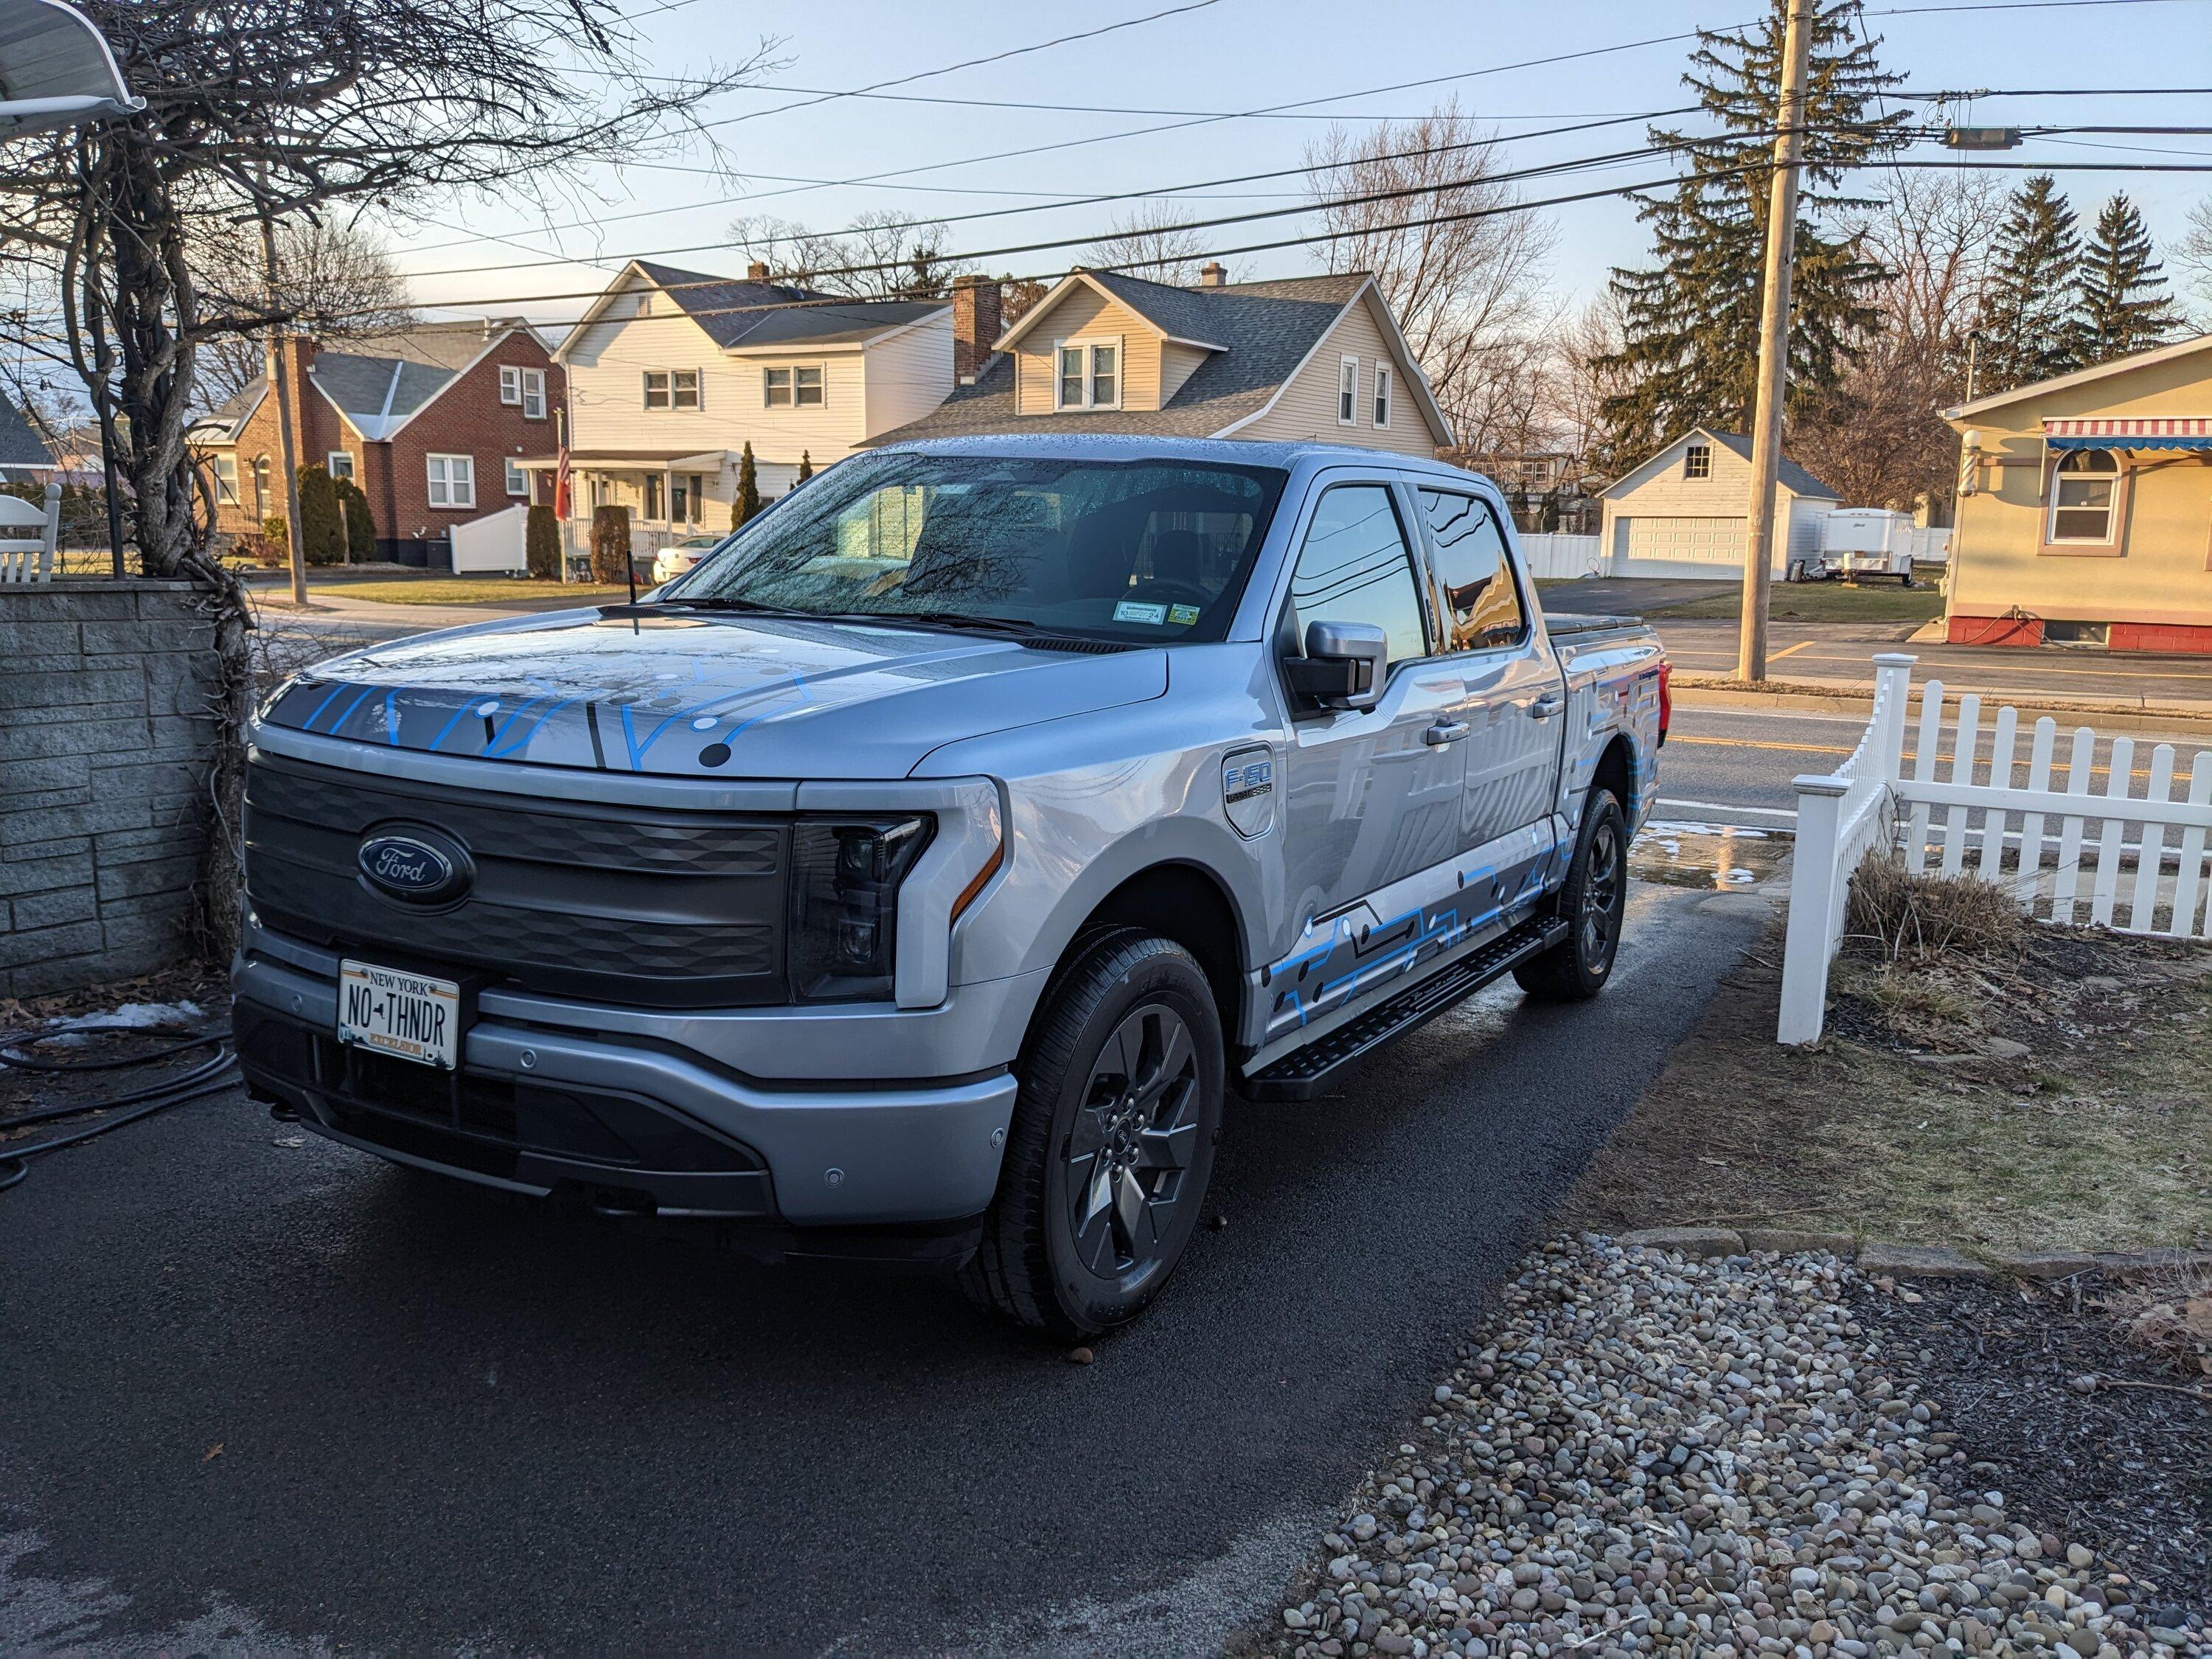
[1247,790]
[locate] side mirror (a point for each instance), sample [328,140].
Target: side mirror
[1343,665]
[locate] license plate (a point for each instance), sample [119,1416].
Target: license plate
[396,1012]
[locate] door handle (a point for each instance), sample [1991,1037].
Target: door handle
[1546,706]
[1444,732]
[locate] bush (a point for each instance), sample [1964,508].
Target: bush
[276,541]
[1897,914]
[322,520]
[748,503]
[541,541]
[360,521]
[610,544]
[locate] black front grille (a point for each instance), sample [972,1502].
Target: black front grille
[644,906]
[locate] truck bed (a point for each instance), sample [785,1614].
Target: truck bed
[1574,629]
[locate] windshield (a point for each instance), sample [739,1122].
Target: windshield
[1153,550]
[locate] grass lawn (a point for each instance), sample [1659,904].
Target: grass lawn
[470,590]
[1820,602]
[2055,1101]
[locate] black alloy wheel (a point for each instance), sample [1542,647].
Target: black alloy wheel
[1127,1155]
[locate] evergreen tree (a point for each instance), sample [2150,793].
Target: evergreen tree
[322,518]
[2123,308]
[360,521]
[1690,351]
[748,504]
[2029,323]
[805,468]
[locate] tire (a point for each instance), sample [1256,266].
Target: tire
[1112,1141]
[1593,899]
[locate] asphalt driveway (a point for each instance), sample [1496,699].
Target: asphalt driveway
[260,1397]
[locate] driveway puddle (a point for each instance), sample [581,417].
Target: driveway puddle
[1720,857]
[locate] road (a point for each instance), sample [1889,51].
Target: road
[273,1398]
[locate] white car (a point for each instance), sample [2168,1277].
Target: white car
[677,558]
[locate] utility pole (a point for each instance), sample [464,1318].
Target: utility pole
[1774,343]
[281,383]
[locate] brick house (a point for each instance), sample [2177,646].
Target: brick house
[430,421]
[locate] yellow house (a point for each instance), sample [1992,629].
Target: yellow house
[2085,509]
[1307,357]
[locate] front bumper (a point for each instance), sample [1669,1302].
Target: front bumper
[628,1124]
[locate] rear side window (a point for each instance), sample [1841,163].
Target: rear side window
[1483,611]
[1355,568]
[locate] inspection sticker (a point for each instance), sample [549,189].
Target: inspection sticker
[1182,615]
[1131,610]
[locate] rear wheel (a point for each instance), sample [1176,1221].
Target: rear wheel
[1593,900]
[1112,1142]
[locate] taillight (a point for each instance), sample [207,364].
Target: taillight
[1665,698]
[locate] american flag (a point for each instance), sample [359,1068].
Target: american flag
[561,483]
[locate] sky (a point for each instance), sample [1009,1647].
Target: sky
[496,256]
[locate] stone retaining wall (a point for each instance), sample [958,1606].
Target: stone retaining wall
[105,743]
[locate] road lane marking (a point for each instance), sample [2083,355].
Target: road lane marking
[1727,806]
[1801,645]
[1755,742]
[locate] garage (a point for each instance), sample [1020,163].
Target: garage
[1691,541]
[1681,514]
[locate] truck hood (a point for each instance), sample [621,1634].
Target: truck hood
[683,694]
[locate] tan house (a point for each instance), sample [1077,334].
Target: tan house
[2085,509]
[1683,512]
[1311,357]
[672,374]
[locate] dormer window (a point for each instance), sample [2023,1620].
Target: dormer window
[1089,374]
[1697,461]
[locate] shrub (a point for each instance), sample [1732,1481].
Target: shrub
[805,468]
[322,520]
[360,521]
[748,503]
[1895,914]
[610,544]
[276,541]
[541,542]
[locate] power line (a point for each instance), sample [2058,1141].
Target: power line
[1115,196]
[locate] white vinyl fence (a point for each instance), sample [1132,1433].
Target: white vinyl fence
[1562,557]
[494,542]
[1957,813]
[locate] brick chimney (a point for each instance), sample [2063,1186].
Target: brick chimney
[974,325]
[756,271]
[1211,275]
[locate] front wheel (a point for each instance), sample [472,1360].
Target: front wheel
[1112,1141]
[1593,900]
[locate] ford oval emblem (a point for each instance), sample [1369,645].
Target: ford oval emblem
[421,867]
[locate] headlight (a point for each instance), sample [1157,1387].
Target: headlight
[845,876]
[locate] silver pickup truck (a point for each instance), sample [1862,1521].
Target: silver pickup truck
[915,878]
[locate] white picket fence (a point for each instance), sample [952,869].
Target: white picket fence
[1957,812]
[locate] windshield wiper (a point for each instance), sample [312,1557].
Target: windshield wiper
[730,601]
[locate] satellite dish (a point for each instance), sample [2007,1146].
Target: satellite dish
[56,69]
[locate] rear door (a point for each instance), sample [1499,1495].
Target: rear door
[1512,698]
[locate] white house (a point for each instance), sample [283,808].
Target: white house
[1682,512]
[670,373]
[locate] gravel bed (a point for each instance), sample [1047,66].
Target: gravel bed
[1640,1454]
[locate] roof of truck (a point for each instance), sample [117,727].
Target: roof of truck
[1227,452]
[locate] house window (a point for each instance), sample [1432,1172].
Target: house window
[653,495]
[1382,396]
[1347,390]
[644,305]
[684,389]
[226,480]
[340,464]
[797,387]
[533,397]
[261,487]
[452,480]
[1090,375]
[686,494]
[1697,461]
[518,478]
[2085,491]
[510,386]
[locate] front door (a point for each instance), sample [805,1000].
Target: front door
[1514,702]
[1371,798]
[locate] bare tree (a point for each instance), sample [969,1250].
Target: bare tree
[334,281]
[881,255]
[1879,435]
[2194,255]
[1468,295]
[1151,242]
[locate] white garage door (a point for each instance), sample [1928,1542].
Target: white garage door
[1686,541]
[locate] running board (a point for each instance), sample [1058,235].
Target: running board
[1306,1073]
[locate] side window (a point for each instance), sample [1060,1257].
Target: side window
[1355,568]
[1483,608]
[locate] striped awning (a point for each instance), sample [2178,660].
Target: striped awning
[2132,432]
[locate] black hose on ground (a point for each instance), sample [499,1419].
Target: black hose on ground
[209,1076]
